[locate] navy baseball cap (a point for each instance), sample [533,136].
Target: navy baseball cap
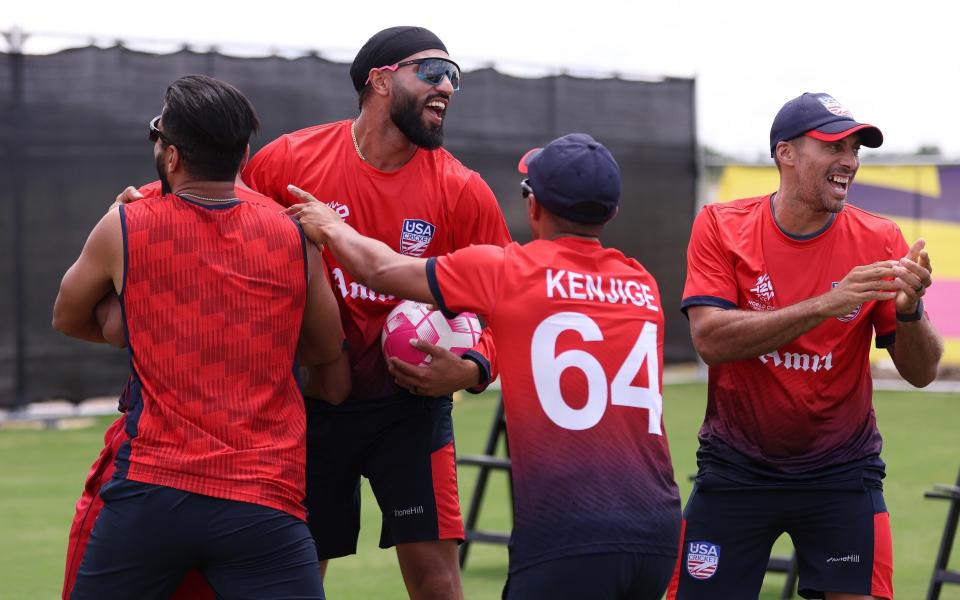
[821,117]
[574,177]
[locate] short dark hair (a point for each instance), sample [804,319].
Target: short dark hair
[565,225]
[210,122]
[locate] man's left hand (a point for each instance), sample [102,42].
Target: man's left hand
[445,374]
[914,272]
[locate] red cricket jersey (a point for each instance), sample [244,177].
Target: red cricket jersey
[213,299]
[579,330]
[431,206]
[806,406]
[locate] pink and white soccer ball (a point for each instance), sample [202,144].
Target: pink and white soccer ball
[411,320]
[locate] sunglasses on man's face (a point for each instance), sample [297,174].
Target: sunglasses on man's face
[432,70]
[155,133]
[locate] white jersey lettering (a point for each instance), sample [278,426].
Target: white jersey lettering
[797,361]
[356,290]
[580,286]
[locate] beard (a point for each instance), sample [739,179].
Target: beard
[407,114]
[161,172]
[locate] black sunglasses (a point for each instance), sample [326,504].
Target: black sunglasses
[525,188]
[433,69]
[155,133]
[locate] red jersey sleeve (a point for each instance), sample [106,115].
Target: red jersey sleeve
[885,316]
[710,277]
[268,172]
[469,280]
[478,216]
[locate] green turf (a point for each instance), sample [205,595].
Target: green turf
[41,473]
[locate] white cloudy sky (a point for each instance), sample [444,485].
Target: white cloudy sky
[895,64]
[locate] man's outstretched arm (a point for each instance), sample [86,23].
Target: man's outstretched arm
[372,262]
[377,266]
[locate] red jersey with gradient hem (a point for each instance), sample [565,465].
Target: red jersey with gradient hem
[431,206]
[579,330]
[807,406]
[213,299]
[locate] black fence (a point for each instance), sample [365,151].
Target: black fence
[73,134]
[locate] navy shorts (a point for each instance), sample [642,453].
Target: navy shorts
[148,536]
[405,448]
[842,539]
[604,576]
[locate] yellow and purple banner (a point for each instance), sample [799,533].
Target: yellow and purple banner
[924,200]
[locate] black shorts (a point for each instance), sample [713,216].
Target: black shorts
[604,576]
[147,537]
[405,448]
[842,539]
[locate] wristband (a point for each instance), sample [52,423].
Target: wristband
[915,315]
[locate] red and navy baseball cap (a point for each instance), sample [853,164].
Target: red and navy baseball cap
[574,177]
[821,117]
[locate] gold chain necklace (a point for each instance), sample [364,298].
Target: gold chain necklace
[353,134]
[204,199]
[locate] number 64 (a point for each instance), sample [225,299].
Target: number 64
[548,366]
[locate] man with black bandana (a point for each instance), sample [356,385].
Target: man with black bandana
[387,175]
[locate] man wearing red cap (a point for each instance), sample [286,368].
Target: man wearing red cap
[784,293]
[580,328]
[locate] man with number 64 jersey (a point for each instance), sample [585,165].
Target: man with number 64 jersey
[580,326]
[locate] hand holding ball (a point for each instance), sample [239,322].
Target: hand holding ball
[411,320]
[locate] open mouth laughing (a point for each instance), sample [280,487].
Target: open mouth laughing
[840,184]
[437,108]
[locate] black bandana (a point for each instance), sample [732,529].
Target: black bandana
[391,46]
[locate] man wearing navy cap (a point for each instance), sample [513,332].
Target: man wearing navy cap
[580,341]
[784,293]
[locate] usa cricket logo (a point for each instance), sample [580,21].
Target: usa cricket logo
[831,104]
[703,558]
[852,314]
[416,236]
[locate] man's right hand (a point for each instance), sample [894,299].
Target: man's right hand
[315,217]
[862,284]
[128,195]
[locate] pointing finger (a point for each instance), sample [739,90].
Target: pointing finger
[302,195]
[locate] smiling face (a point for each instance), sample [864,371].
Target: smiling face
[418,108]
[825,171]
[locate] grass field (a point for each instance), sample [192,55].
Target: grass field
[41,473]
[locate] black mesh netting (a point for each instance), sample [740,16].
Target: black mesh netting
[73,134]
